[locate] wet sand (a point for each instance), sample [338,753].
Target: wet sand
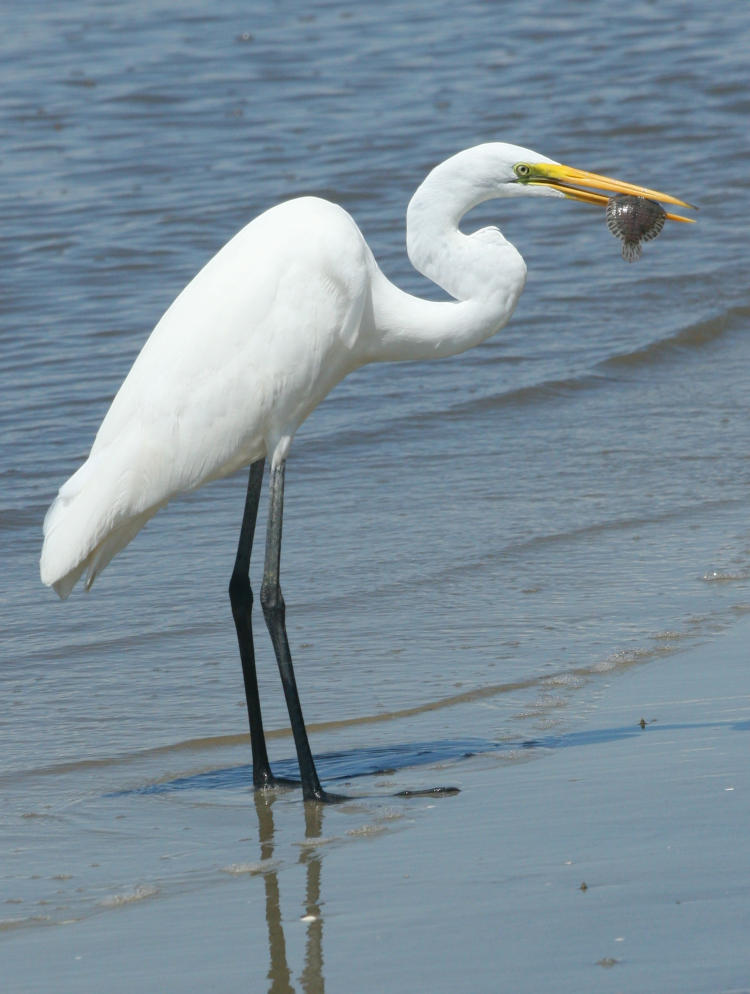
[614,859]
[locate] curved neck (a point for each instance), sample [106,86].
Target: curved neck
[483,272]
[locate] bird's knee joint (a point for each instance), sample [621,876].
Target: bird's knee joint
[271,599]
[240,589]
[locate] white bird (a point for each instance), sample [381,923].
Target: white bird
[253,344]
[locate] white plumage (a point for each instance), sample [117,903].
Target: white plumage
[241,357]
[267,328]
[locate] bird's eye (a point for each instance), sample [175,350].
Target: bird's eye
[522,170]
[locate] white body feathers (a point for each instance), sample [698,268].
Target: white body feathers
[267,328]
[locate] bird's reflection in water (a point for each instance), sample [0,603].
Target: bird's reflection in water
[279,975]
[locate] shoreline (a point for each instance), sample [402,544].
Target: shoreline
[615,861]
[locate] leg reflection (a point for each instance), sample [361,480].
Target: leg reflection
[279,975]
[311,977]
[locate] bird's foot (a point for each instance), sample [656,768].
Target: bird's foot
[320,796]
[271,782]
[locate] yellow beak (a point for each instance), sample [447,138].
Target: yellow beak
[573,183]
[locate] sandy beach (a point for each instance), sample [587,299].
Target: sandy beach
[614,859]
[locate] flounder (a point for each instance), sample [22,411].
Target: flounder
[634,220]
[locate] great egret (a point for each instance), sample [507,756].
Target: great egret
[253,344]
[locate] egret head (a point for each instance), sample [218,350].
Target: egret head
[496,169]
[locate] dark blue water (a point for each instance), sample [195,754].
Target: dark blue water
[569,498]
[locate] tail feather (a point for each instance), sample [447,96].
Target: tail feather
[91,520]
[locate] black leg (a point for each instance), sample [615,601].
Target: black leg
[274,611]
[241,597]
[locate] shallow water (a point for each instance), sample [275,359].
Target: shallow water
[488,533]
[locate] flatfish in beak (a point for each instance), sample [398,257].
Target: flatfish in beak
[634,220]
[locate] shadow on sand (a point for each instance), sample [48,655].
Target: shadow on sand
[387,760]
